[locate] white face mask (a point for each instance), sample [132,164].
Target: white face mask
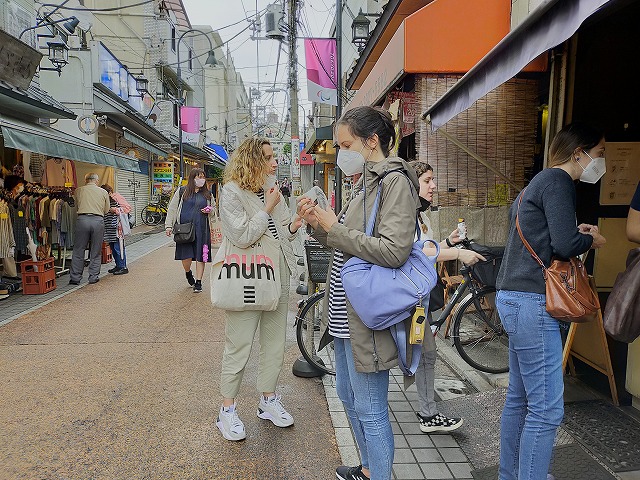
[269,182]
[200,182]
[350,161]
[594,171]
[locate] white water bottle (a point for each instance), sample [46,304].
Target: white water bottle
[462,229]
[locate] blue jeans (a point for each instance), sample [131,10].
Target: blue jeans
[535,406]
[364,396]
[119,257]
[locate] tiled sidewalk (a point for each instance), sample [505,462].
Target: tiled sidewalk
[417,455]
[18,304]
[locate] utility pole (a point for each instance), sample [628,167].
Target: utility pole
[293,97]
[338,174]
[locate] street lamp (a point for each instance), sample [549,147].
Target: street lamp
[58,49]
[211,60]
[360,29]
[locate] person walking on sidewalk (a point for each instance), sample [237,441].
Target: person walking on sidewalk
[193,203]
[363,356]
[432,421]
[93,203]
[534,405]
[251,206]
[113,230]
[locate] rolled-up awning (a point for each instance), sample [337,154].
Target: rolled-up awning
[552,23]
[47,141]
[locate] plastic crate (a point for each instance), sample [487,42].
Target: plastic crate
[38,277]
[318,257]
[106,253]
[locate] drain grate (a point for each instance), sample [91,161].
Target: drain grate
[607,432]
[569,462]
[479,437]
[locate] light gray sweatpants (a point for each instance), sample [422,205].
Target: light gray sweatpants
[425,376]
[240,328]
[89,231]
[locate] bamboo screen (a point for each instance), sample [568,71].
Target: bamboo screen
[500,128]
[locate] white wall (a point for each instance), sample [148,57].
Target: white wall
[520,9]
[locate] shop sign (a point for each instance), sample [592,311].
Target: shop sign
[162,178]
[623,171]
[408,109]
[18,61]
[386,72]
[115,76]
[295,158]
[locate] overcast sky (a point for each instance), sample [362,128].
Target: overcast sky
[258,68]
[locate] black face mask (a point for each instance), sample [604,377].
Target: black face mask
[424,205]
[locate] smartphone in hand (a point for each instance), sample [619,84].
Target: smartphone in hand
[317,196]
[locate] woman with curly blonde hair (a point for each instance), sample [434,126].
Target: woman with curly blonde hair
[251,206]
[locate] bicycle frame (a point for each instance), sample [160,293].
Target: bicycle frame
[466,284]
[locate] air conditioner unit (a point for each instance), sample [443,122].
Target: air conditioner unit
[273,20]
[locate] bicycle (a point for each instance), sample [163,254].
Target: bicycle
[478,334]
[155,213]
[311,311]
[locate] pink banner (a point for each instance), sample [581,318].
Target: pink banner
[320,55]
[190,119]
[190,124]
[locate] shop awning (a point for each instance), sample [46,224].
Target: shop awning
[553,22]
[141,142]
[320,135]
[437,39]
[202,155]
[47,141]
[218,151]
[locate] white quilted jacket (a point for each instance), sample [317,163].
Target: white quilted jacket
[244,221]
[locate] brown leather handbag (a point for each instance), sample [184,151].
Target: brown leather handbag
[622,311]
[570,297]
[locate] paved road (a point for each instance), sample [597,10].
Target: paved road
[119,380]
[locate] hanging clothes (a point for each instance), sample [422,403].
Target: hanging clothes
[58,172]
[7,240]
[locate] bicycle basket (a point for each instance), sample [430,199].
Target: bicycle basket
[486,273]
[318,257]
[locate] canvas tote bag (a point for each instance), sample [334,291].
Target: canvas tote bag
[216,232]
[246,278]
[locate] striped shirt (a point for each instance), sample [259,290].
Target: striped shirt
[272,225]
[337,309]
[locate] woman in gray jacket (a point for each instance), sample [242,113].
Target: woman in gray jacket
[252,206]
[363,356]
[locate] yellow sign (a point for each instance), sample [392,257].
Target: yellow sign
[4,216]
[68,185]
[20,213]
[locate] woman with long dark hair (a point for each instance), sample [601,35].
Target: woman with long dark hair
[363,356]
[193,203]
[546,212]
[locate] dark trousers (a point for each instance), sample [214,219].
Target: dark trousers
[89,231]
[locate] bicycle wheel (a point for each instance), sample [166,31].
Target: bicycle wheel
[478,333]
[151,215]
[308,335]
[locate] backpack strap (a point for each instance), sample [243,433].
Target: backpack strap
[376,203]
[400,337]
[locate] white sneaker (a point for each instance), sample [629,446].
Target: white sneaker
[273,410]
[230,424]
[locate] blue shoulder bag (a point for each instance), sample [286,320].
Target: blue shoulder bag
[383,297]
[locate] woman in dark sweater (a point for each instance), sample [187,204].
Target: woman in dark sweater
[534,407]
